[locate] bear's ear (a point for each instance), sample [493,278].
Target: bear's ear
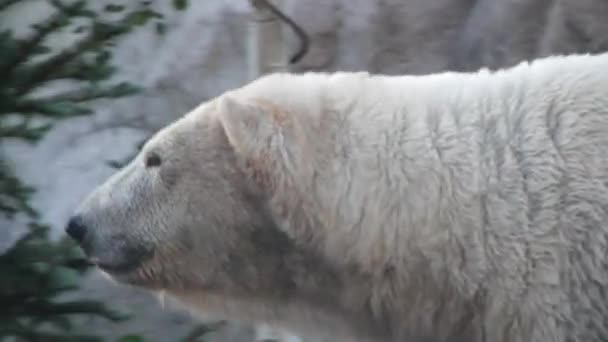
[249,126]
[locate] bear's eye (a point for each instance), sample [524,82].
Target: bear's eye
[152,160]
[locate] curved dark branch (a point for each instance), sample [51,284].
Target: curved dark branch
[297,30]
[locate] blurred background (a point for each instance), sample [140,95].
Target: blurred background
[83,83]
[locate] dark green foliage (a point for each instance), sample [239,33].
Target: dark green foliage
[202,330]
[180,4]
[13,194]
[36,272]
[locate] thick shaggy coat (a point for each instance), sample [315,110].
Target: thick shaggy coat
[446,207]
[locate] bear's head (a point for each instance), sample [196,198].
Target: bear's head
[191,213]
[183,214]
[223,209]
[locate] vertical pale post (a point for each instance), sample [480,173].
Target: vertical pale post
[267,54]
[267,45]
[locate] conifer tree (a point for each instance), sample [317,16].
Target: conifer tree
[35,272]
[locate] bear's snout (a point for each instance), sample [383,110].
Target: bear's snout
[76,228]
[113,252]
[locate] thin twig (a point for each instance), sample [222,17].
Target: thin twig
[297,30]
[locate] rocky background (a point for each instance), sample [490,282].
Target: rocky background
[203,53]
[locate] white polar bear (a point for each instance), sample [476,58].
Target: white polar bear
[446,207]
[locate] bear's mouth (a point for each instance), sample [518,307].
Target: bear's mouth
[118,269]
[128,260]
[133,273]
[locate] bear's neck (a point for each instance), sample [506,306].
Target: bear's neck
[397,191]
[298,291]
[387,183]
[394,190]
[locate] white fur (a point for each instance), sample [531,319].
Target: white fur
[479,194]
[449,207]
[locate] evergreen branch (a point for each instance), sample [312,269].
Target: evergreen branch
[36,271]
[84,70]
[27,47]
[6,3]
[13,193]
[11,256]
[94,92]
[51,109]
[201,330]
[79,264]
[25,332]
[88,307]
[64,104]
[23,130]
[75,9]
[42,71]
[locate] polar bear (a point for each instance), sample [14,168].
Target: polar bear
[444,207]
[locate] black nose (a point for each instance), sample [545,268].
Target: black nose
[76,228]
